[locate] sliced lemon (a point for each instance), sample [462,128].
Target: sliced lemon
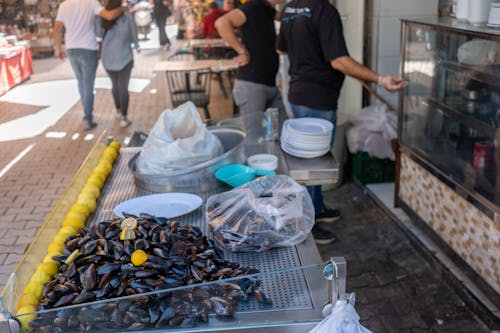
[138,257]
[72,257]
[127,234]
[129,223]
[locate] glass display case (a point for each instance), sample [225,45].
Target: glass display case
[450,110]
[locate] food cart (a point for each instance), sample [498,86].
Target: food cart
[293,281]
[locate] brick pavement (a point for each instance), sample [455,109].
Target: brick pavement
[397,290]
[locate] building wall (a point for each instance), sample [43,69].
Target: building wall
[473,235]
[385,32]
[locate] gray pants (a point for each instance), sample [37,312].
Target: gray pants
[253,99]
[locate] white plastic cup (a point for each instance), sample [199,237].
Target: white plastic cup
[478,11]
[462,8]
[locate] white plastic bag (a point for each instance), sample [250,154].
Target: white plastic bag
[342,319]
[268,212]
[479,52]
[179,139]
[371,131]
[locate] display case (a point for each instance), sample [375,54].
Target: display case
[449,135]
[450,111]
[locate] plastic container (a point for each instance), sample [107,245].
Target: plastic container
[368,169]
[238,174]
[462,8]
[478,11]
[263,162]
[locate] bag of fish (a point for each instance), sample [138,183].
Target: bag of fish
[272,211]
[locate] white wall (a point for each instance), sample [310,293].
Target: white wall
[386,30]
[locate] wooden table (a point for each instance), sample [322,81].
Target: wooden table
[183,65]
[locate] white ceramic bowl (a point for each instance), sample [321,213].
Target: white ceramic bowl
[263,162]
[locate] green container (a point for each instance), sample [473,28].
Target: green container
[368,169]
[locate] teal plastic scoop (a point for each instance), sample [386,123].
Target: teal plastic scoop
[238,174]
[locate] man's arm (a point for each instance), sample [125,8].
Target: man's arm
[111,14]
[351,67]
[226,25]
[57,34]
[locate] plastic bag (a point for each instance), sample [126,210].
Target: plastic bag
[179,139]
[479,52]
[342,319]
[371,131]
[268,212]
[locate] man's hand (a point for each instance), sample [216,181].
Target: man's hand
[242,59]
[60,53]
[391,83]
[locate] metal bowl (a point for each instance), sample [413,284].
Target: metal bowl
[198,178]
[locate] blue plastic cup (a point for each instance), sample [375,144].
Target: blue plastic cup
[238,174]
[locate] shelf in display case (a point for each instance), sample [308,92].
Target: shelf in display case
[465,119]
[489,74]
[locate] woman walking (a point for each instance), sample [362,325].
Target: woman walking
[118,36]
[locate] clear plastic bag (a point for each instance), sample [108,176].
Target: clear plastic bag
[272,211]
[342,319]
[179,139]
[371,131]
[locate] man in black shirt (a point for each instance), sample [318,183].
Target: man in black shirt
[255,87]
[311,34]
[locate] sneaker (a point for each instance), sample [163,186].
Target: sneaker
[328,216]
[89,125]
[118,114]
[322,236]
[125,122]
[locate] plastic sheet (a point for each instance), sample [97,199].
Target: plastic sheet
[272,211]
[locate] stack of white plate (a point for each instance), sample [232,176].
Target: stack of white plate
[306,137]
[494,18]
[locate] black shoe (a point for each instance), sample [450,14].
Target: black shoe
[89,125]
[322,236]
[328,216]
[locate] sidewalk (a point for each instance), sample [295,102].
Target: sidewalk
[397,289]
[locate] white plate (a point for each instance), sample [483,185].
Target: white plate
[309,126]
[161,205]
[319,144]
[303,153]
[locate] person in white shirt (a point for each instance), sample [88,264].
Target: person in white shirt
[81,47]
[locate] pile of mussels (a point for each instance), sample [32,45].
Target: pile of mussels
[178,255]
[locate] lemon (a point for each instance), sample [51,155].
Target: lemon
[41,278]
[138,257]
[34,289]
[100,172]
[89,201]
[27,299]
[110,153]
[81,208]
[76,216]
[50,269]
[68,230]
[25,315]
[98,180]
[60,238]
[55,248]
[92,189]
[105,165]
[48,259]
[115,144]
[71,222]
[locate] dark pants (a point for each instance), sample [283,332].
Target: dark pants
[119,83]
[161,21]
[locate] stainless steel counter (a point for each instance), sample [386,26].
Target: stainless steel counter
[298,295]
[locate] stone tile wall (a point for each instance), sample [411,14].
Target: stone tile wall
[473,235]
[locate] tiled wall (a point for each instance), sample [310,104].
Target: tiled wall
[474,236]
[385,33]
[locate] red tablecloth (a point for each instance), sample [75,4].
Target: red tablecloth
[15,68]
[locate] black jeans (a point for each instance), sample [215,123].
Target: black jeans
[119,83]
[161,21]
